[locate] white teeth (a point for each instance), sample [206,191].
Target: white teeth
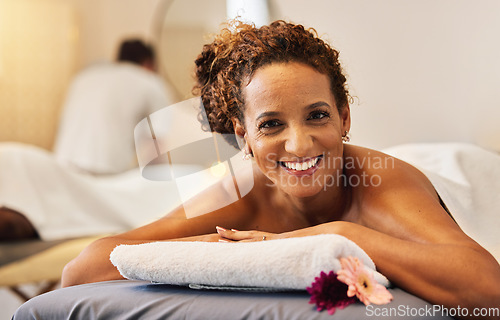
[301,166]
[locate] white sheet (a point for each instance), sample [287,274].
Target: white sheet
[467,178]
[62,203]
[291,263]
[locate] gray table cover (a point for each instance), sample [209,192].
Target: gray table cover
[127,299]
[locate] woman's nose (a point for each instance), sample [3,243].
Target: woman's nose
[298,142]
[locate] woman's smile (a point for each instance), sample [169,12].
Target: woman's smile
[305,167]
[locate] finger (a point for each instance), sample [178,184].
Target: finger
[221,231]
[234,235]
[223,234]
[240,235]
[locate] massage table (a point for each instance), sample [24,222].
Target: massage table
[37,261]
[258,280]
[127,299]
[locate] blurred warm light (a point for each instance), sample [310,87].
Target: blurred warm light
[1,65]
[218,170]
[38,46]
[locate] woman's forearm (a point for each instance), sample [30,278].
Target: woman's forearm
[445,274]
[93,263]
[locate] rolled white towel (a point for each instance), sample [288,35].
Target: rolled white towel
[290,263]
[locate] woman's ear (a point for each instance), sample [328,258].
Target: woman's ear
[345,118]
[240,133]
[239,129]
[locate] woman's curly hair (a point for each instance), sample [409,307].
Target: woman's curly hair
[227,64]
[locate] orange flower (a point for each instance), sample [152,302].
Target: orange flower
[361,283]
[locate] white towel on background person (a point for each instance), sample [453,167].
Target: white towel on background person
[467,178]
[62,203]
[290,263]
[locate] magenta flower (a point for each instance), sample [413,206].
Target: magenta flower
[327,292]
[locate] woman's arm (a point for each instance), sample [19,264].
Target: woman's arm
[93,264]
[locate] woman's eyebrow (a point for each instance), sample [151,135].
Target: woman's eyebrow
[268,114]
[317,104]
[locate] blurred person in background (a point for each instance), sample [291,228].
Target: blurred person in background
[96,136]
[104,103]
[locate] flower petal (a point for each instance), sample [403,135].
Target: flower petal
[380,295]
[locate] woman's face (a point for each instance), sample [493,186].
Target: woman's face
[293,128]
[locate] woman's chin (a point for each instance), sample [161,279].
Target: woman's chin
[298,186]
[301,191]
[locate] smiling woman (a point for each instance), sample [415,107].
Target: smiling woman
[281,90]
[294,126]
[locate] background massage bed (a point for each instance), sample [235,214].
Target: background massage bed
[37,261]
[70,210]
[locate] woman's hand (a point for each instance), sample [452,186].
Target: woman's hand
[211,237]
[244,236]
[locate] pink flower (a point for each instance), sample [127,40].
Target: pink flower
[361,282]
[327,292]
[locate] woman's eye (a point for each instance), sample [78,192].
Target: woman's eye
[319,115]
[269,124]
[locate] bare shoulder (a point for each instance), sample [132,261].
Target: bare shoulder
[383,170]
[393,197]
[375,175]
